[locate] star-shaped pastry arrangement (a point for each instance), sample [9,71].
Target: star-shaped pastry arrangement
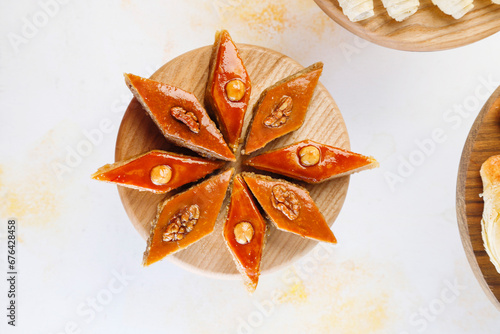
[256,199]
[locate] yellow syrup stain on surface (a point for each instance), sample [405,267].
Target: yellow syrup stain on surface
[271,16]
[29,189]
[350,297]
[30,197]
[269,21]
[354,290]
[370,314]
[295,294]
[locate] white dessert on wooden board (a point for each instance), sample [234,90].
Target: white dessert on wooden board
[357,10]
[401,9]
[455,8]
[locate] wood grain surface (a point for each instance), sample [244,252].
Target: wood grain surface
[429,29]
[483,141]
[324,123]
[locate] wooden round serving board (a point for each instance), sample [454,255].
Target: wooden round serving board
[483,142]
[323,123]
[429,29]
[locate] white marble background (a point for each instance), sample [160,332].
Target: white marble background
[399,266]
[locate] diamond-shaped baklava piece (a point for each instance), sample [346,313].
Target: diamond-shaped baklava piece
[186,217]
[312,162]
[244,233]
[282,107]
[228,88]
[289,207]
[156,171]
[180,117]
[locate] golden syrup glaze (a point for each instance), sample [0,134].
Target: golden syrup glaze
[136,172]
[333,161]
[160,98]
[227,65]
[208,196]
[300,87]
[243,208]
[310,223]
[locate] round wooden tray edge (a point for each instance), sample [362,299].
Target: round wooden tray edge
[460,199]
[237,276]
[359,31]
[330,9]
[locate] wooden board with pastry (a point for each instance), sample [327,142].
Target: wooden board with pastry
[416,25]
[478,198]
[196,225]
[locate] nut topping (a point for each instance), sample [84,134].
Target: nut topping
[243,233]
[280,114]
[161,174]
[186,117]
[285,201]
[309,155]
[235,90]
[181,223]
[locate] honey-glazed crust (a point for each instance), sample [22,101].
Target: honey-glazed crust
[176,140]
[313,67]
[162,205]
